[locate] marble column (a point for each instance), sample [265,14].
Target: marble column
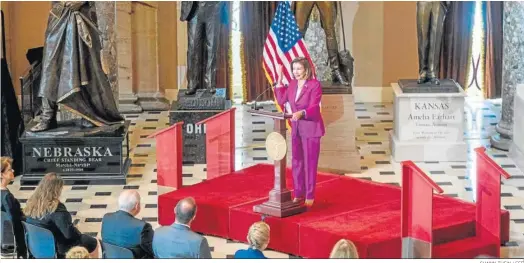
[105,11]
[512,71]
[516,150]
[127,98]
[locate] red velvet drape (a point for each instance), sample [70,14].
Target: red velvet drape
[455,56]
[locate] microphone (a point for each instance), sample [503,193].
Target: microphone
[254,106]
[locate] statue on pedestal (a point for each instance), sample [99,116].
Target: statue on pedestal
[72,71]
[430,24]
[203,23]
[328,15]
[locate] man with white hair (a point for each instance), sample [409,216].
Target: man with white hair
[122,229]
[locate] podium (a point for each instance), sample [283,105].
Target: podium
[220,143]
[416,211]
[488,199]
[280,203]
[169,155]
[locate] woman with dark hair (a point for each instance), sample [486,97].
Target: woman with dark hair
[307,126]
[44,209]
[12,207]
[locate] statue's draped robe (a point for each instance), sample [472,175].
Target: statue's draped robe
[12,124]
[72,72]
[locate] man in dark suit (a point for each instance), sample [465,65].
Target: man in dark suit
[122,229]
[203,24]
[430,28]
[177,240]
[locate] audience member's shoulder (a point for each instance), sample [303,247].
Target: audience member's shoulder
[194,236]
[61,208]
[239,253]
[108,215]
[162,230]
[141,222]
[7,194]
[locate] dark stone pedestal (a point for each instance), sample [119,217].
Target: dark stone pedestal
[335,88]
[97,155]
[192,109]
[446,86]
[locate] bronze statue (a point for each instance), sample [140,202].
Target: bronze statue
[430,24]
[328,16]
[72,73]
[203,24]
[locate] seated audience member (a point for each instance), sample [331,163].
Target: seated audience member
[177,240]
[12,207]
[344,249]
[44,209]
[77,253]
[122,229]
[258,239]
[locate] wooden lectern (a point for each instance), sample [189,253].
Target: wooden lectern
[417,211]
[169,155]
[280,203]
[220,143]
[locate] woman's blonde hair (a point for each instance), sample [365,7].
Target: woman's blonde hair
[6,162]
[258,235]
[45,198]
[305,63]
[344,249]
[77,252]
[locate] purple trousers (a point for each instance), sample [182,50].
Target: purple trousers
[304,165]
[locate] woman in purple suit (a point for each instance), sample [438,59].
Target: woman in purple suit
[303,95]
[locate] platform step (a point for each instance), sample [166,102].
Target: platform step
[453,232]
[466,228]
[465,248]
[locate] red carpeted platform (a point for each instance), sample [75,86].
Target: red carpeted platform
[365,212]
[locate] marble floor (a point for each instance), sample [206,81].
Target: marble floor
[88,203]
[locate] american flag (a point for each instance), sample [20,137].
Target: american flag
[284,43]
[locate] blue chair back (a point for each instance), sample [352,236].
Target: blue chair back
[116,252]
[40,241]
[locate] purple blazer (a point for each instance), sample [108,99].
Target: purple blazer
[312,124]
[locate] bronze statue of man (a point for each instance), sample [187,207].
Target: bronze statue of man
[72,73]
[203,24]
[328,16]
[430,24]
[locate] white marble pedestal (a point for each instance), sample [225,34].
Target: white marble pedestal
[516,150]
[428,126]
